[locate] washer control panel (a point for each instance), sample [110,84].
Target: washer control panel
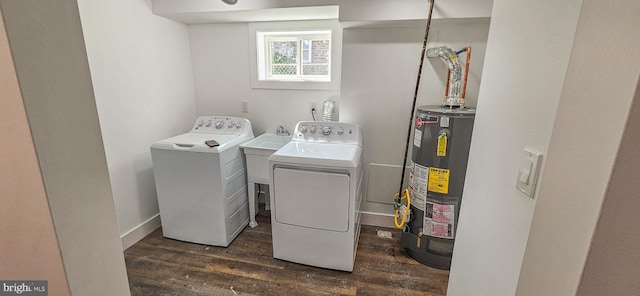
[221,125]
[328,132]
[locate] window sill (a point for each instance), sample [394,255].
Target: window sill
[289,84]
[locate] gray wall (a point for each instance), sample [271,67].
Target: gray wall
[528,52]
[613,263]
[29,247]
[584,180]
[51,64]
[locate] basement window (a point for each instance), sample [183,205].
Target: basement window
[300,58]
[294,56]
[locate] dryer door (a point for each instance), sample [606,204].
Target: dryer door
[311,199]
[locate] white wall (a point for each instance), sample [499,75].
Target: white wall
[352,11]
[584,185]
[382,10]
[527,56]
[379,68]
[379,73]
[222,76]
[141,71]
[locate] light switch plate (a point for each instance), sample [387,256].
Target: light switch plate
[528,171]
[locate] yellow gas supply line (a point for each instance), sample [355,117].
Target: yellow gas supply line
[405,194]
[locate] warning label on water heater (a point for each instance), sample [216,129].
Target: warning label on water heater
[439,220]
[438,180]
[418,180]
[442,145]
[417,137]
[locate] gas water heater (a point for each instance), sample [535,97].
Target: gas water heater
[441,141]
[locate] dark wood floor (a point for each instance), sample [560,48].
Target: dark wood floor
[160,266]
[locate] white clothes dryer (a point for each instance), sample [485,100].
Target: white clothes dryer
[201,181]
[316,195]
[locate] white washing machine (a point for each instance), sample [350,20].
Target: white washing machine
[316,195]
[202,188]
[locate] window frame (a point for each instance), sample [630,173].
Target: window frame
[300,29]
[310,51]
[298,37]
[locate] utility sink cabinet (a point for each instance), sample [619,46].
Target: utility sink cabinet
[257,152]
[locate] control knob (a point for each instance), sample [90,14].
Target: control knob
[219,124]
[208,124]
[230,124]
[312,129]
[340,131]
[201,123]
[238,124]
[303,129]
[326,130]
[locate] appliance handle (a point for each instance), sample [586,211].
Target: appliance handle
[182,146]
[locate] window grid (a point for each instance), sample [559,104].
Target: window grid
[291,57]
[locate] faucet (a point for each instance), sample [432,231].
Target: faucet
[281,131]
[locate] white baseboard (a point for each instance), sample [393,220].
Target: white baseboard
[139,232]
[377,219]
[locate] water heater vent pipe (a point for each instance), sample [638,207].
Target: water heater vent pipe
[466,73]
[454,95]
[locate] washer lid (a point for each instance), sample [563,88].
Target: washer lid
[195,142]
[320,154]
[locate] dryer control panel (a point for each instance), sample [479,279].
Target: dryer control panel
[328,132]
[221,125]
